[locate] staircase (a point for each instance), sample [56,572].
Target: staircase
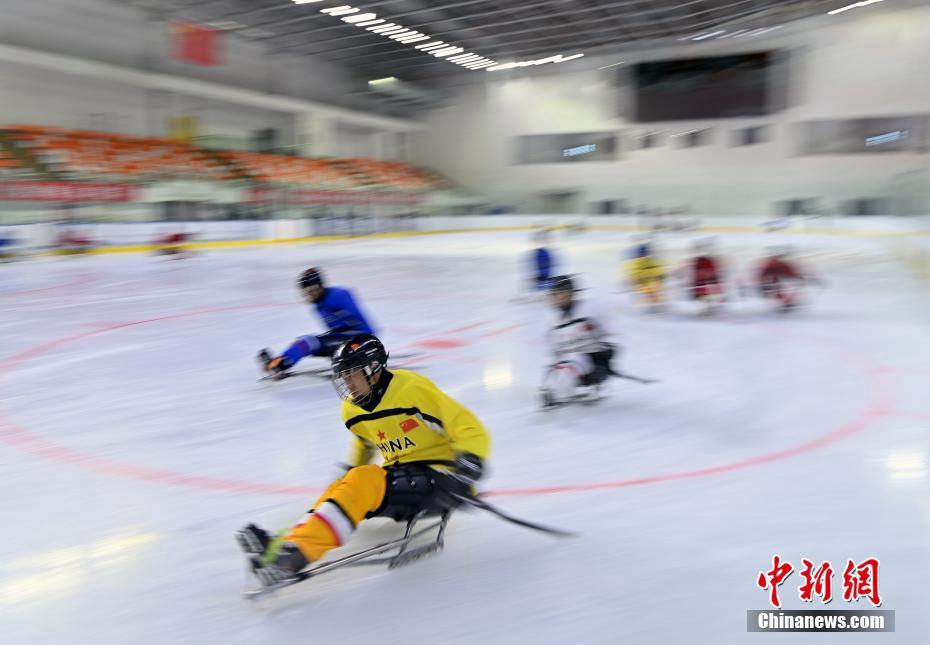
[28,161]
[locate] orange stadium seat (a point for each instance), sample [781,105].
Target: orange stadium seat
[103,156]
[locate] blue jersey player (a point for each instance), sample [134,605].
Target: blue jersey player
[340,313]
[542,261]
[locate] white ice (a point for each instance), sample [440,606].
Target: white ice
[129,454]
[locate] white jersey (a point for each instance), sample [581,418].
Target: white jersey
[584,328]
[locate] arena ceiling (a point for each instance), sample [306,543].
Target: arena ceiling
[502,31]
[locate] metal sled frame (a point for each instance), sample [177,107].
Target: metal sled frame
[373,555]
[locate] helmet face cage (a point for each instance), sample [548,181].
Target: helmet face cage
[359,355]
[342,386]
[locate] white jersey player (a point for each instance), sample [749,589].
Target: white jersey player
[582,342]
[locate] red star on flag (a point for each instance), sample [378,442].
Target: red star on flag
[381,435]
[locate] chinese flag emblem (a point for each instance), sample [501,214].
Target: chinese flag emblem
[408,425]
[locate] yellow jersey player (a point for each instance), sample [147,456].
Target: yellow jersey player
[433,450]
[647,274]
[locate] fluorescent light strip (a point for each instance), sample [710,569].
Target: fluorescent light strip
[736,33]
[359,18]
[855,5]
[440,49]
[340,11]
[558,58]
[414,40]
[305,1]
[710,35]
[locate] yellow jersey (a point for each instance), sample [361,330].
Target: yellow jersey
[645,269]
[414,421]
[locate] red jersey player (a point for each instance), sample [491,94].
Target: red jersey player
[780,279]
[705,275]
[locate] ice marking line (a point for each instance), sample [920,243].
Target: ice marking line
[878,382]
[80,281]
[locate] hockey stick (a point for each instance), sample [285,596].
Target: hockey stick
[630,377]
[322,371]
[483,505]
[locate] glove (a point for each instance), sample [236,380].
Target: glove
[459,482]
[271,364]
[278,365]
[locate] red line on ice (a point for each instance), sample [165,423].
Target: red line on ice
[37,445]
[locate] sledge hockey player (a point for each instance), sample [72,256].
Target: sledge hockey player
[172,244]
[704,275]
[340,313]
[647,274]
[582,344]
[542,261]
[433,450]
[780,279]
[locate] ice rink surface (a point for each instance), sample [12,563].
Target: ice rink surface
[134,440]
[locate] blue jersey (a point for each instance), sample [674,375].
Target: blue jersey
[543,263]
[340,312]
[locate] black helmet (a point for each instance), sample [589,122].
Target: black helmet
[312,277]
[562,283]
[364,353]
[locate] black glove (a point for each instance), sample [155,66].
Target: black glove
[458,483]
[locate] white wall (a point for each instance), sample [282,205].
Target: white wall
[868,63]
[107,31]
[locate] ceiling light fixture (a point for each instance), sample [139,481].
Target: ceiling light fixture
[416,39]
[305,1]
[709,35]
[558,58]
[437,48]
[855,5]
[359,18]
[340,11]
[447,51]
[383,81]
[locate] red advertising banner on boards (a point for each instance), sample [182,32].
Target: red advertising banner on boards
[64,191]
[323,197]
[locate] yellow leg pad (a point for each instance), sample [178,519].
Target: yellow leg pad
[338,510]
